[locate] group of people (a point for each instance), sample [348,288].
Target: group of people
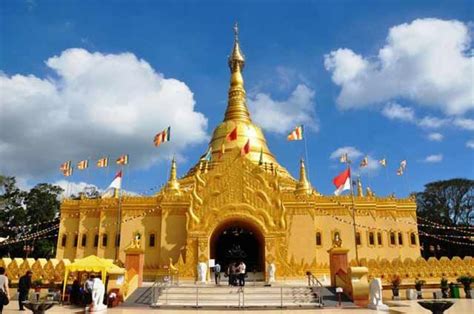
[24,286]
[81,295]
[236,273]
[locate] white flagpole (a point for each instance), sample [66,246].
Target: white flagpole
[353,214]
[306,154]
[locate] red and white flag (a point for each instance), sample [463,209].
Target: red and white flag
[342,182]
[116,184]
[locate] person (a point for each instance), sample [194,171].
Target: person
[75,295]
[4,289]
[233,274]
[24,286]
[217,273]
[241,273]
[88,290]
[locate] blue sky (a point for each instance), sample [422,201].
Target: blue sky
[288,46]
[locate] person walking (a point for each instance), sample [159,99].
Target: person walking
[4,289]
[241,273]
[217,273]
[24,286]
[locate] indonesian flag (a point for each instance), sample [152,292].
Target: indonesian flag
[342,181]
[232,136]
[116,184]
[245,149]
[296,134]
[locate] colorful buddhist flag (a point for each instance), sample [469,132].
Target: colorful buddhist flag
[344,158]
[296,134]
[399,171]
[232,136]
[208,155]
[83,164]
[403,164]
[103,162]
[245,149]
[65,166]
[364,162]
[383,162]
[163,136]
[122,160]
[67,172]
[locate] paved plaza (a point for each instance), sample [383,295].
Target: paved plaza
[460,306]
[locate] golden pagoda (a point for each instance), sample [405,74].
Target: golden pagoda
[239,207]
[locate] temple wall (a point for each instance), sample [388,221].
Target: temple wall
[173,237]
[301,237]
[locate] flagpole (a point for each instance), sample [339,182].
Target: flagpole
[119,220]
[353,215]
[306,154]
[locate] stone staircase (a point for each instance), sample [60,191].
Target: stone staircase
[210,296]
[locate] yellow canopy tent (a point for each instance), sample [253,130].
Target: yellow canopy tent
[94,264]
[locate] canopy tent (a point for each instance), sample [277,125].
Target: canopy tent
[94,264]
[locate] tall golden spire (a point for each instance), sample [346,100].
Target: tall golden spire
[173,184]
[303,186]
[237,106]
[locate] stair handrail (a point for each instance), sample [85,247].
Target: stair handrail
[314,283]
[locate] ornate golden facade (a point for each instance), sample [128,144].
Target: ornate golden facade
[293,225]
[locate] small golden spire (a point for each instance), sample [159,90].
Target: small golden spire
[369,192]
[303,186]
[237,105]
[173,184]
[360,191]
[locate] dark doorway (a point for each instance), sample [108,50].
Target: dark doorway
[236,242]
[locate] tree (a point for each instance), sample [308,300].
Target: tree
[449,203]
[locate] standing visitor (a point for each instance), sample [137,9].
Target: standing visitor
[88,290]
[24,286]
[233,274]
[217,273]
[4,290]
[241,273]
[75,294]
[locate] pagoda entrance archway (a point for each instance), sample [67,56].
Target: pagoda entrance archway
[234,241]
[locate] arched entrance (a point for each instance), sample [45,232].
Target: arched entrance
[236,240]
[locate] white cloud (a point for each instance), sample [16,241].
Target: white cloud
[434,158]
[94,104]
[426,61]
[470,144]
[74,188]
[467,124]
[282,116]
[430,122]
[436,137]
[395,111]
[351,151]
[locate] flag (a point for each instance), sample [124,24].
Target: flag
[65,166]
[245,149]
[296,134]
[103,162]
[208,154]
[342,181]
[403,164]
[260,160]
[232,136]
[222,151]
[116,182]
[383,162]
[344,158]
[364,162]
[163,136]
[83,164]
[122,160]
[67,172]
[400,171]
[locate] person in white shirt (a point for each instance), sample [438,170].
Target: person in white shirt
[4,289]
[241,273]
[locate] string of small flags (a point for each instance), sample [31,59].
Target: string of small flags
[23,227]
[30,236]
[446,227]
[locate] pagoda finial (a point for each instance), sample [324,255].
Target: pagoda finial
[237,106]
[303,186]
[173,184]
[360,191]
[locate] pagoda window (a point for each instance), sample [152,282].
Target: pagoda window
[63,240]
[358,239]
[96,240]
[412,238]
[371,238]
[76,240]
[379,238]
[84,240]
[400,238]
[318,238]
[392,238]
[104,240]
[151,240]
